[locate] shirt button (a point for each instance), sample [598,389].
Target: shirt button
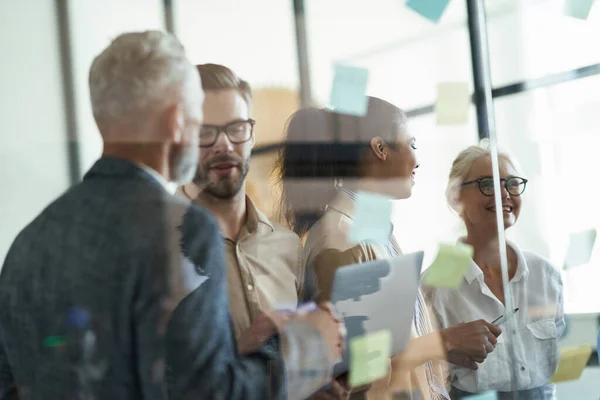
[250,287]
[522,368]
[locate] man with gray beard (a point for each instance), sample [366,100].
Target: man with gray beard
[118,289]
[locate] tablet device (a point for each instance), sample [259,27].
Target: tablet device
[377,295]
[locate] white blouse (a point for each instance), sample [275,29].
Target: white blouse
[537,291]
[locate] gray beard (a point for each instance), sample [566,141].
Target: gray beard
[183,164]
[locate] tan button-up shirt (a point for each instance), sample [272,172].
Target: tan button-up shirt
[266,269]
[327,248]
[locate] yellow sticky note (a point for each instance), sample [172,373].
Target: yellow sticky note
[372,219]
[369,357]
[449,266]
[572,362]
[452,103]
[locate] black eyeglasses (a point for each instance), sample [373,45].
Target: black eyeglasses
[514,185]
[237,132]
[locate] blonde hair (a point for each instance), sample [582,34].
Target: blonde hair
[138,73]
[219,77]
[461,167]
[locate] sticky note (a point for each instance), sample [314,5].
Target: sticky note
[54,341]
[572,362]
[598,345]
[430,9]
[580,249]
[369,357]
[348,90]
[449,266]
[484,396]
[78,318]
[452,103]
[372,219]
[578,8]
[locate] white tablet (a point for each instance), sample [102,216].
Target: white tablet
[377,295]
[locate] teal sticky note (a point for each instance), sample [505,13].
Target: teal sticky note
[578,8]
[372,219]
[581,245]
[449,266]
[484,396]
[348,90]
[369,357]
[430,9]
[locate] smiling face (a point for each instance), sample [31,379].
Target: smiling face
[402,163]
[478,210]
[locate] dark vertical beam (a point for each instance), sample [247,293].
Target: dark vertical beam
[169,18]
[482,84]
[66,63]
[302,51]
[486,123]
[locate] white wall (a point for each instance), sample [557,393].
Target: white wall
[33,152]
[94,24]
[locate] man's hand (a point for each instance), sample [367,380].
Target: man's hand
[338,390]
[263,327]
[470,343]
[329,326]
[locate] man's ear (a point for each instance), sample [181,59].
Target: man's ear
[174,122]
[379,148]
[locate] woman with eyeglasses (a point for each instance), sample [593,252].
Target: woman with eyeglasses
[535,286]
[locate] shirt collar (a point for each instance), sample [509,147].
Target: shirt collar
[342,203]
[256,221]
[170,187]
[474,272]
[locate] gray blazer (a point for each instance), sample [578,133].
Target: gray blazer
[117,290]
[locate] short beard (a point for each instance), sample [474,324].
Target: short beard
[222,190]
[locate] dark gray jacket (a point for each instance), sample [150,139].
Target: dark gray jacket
[117,291]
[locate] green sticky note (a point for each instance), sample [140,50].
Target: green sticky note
[578,8]
[54,341]
[449,266]
[430,9]
[369,357]
[572,362]
[348,90]
[580,249]
[484,396]
[452,103]
[372,219]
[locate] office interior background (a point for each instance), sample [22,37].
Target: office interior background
[545,71]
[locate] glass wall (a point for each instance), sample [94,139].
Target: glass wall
[548,121]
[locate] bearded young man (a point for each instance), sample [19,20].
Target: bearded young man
[265,260]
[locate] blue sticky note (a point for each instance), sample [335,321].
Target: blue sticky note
[430,9]
[598,344]
[484,396]
[581,245]
[578,8]
[372,219]
[78,318]
[348,90]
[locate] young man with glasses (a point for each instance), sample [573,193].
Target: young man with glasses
[265,263]
[264,259]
